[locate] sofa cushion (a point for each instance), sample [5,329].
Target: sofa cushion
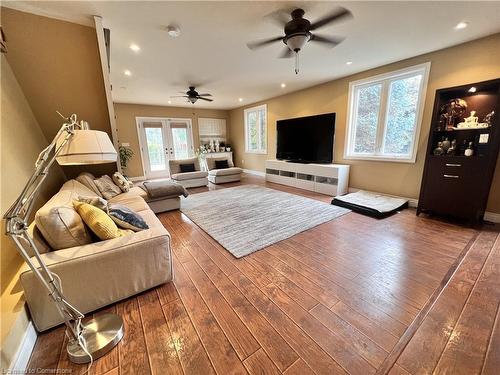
[126,218]
[188,175]
[99,222]
[59,223]
[95,201]
[175,165]
[87,179]
[225,171]
[107,187]
[132,201]
[121,182]
[211,162]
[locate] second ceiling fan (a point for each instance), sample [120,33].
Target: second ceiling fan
[298,31]
[192,95]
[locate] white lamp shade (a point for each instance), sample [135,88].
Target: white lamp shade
[86,147]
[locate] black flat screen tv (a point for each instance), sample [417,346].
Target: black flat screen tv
[306,139]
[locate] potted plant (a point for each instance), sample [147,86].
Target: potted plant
[126,154]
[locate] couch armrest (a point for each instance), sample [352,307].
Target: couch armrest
[101,273]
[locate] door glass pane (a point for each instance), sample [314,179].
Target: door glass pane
[180,143]
[401,115]
[155,148]
[367,110]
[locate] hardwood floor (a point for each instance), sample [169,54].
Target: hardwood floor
[403,295]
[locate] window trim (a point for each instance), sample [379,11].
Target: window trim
[385,80]
[245,112]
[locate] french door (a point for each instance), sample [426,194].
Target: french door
[161,140]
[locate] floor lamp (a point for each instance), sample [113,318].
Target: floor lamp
[74,144]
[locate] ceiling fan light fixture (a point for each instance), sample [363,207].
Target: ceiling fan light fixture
[173,30]
[192,99]
[296,41]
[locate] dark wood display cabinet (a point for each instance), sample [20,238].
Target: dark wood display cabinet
[454,184]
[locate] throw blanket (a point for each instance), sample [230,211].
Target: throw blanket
[163,189]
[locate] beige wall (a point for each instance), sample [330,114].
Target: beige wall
[470,62]
[127,128]
[21,141]
[57,64]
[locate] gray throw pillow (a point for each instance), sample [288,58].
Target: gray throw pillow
[95,201]
[107,187]
[125,218]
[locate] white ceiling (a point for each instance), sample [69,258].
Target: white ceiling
[212,54]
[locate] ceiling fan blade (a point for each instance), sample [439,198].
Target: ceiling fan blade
[206,99]
[336,15]
[280,17]
[286,54]
[264,42]
[179,96]
[204,94]
[332,42]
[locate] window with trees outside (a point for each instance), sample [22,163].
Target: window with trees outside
[384,115]
[256,129]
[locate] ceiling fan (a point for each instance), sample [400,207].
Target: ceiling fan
[192,95]
[298,31]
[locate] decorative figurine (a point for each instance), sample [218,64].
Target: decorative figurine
[452,110]
[472,122]
[453,148]
[445,144]
[488,119]
[470,150]
[439,149]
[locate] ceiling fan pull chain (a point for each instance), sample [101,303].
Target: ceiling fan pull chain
[296,63]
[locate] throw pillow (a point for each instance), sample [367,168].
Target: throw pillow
[187,167]
[124,217]
[95,201]
[221,164]
[99,222]
[107,187]
[87,179]
[121,182]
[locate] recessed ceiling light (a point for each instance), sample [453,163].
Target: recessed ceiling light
[127,72]
[472,89]
[348,62]
[461,25]
[135,47]
[240,99]
[169,102]
[283,85]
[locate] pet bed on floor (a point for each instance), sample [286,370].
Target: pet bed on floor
[371,204]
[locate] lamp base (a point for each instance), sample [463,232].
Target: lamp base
[101,335]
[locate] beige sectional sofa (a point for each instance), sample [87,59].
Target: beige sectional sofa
[197,178]
[94,274]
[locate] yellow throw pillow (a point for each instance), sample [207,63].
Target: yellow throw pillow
[99,221]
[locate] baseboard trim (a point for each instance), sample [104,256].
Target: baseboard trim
[492,216]
[412,202]
[23,354]
[256,173]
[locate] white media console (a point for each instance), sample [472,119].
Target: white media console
[330,179]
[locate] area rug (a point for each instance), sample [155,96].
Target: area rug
[248,218]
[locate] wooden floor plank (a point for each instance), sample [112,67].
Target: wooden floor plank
[192,354]
[159,342]
[47,350]
[132,351]
[260,364]
[422,353]
[299,368]
[307,349]
[492,360]
[222,355]
[237,333]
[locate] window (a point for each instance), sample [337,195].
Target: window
[256,129]
[384,115]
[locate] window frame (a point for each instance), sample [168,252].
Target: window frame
[385,80]
[245,113]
